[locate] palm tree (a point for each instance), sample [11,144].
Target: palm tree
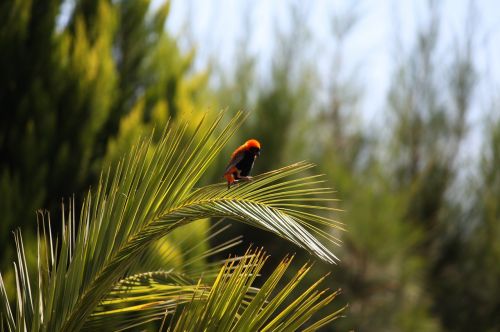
[88,278]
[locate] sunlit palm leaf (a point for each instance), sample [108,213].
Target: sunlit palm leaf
[257,203]
[232,305]
[149,194]
[144,295]
[178,252]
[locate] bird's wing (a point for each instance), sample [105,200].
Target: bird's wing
[236,158]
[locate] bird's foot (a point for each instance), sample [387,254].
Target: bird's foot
[246,178]
[238,181]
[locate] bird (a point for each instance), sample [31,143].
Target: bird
[241,162]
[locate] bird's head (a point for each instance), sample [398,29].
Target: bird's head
[253,146]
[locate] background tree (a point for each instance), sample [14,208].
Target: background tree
[70,74]
[430,101]
[472,250]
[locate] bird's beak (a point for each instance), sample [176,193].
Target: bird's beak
[258,153]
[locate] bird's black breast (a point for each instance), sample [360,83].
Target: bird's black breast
[246,164]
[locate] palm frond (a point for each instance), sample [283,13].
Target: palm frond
[233,305]
[146,196]
[256,203]
[185,250]
[143,295]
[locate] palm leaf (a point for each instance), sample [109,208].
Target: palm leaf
[257,204]
[143,295]
[178,252]
[233,305]
[145,197]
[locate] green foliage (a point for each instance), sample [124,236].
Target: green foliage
[232,304]
[142,298]
[150,193]
[65,89]
[384,283]
[52,71]
[431,101]
[473,253]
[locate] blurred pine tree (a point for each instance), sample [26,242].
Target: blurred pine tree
[430,100]
[381,274]
[65,89]
[466,279]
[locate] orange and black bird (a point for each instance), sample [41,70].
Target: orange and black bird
[241,162]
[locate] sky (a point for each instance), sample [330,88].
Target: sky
[215,26]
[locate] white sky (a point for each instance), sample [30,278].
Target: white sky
[215,26]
